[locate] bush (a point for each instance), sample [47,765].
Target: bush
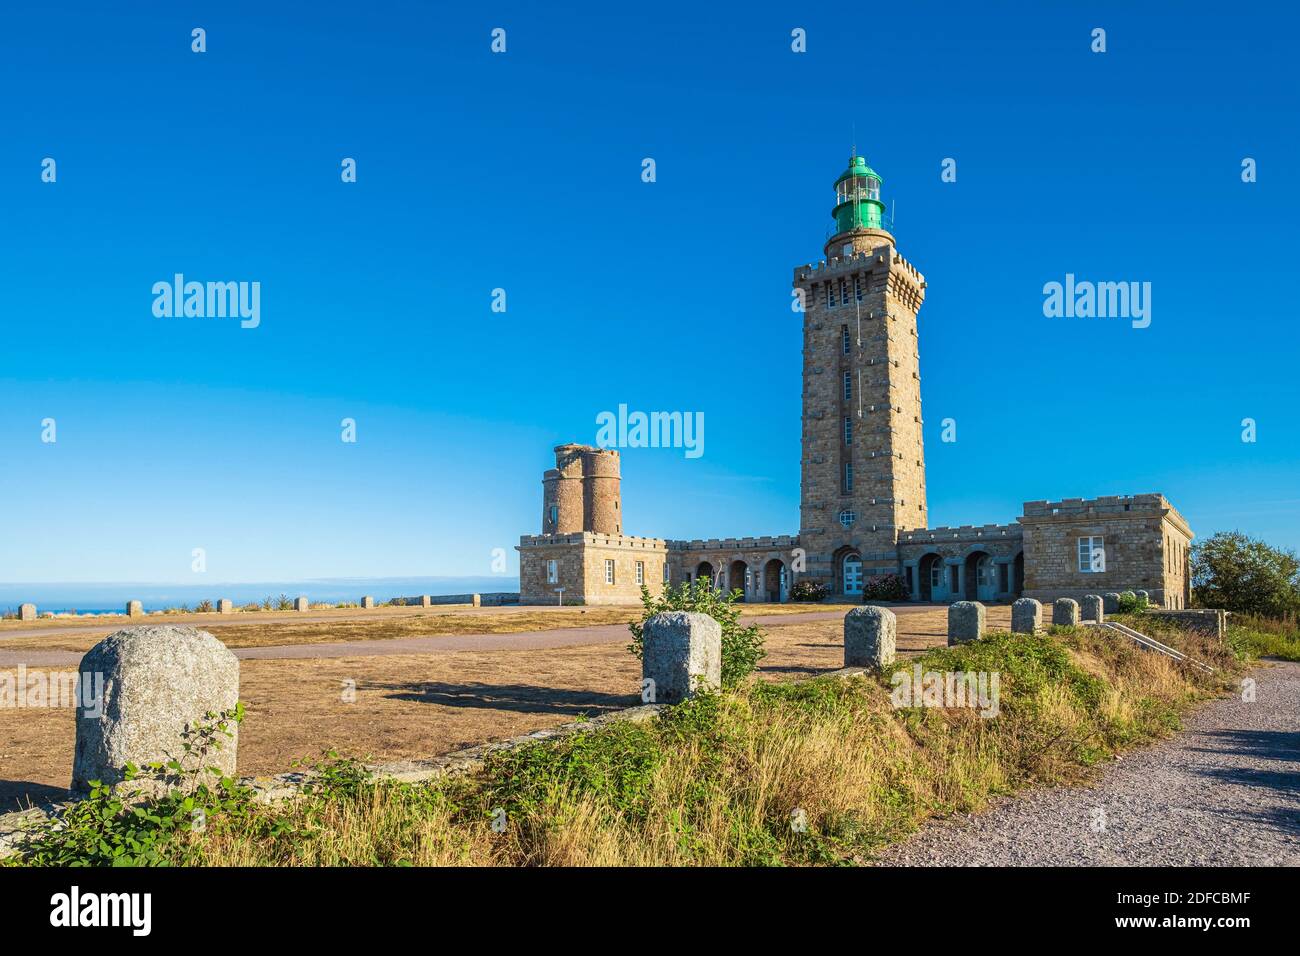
[203,607]
[1130,603]
[884,587]
[1238,573]
[806,589]
[742,647]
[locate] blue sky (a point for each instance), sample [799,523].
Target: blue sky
[522,171]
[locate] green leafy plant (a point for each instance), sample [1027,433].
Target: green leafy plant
[884,587]
[808,590]
[742,647]
[1233,571]
[130,825]
[283,603]
[204,607]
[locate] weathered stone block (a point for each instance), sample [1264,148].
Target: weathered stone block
[1094,608]
[225,606]
[27,612]
[134,609]
[158,681]
[682,653]
[367,601]
[301,604]
[965,622]
[426,600]
[1110,602]
[870,636]
[1026,616]
[1065,611]
[476,600]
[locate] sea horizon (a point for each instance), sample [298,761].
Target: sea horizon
[101,597]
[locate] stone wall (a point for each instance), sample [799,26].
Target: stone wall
[580,568]
[1145,541]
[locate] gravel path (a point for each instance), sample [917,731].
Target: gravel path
[1225,791]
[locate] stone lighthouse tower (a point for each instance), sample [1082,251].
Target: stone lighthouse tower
[863,464]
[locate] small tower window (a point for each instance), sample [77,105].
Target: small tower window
[640,572]
[845,341]
[609,570]
[848,430]
[848,386]
[552,572]
[830,295]
[844,295]
[857,288]
[848,477]
[847,517]
[553,514]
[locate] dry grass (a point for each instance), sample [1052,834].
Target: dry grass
[719,782]
[422,705]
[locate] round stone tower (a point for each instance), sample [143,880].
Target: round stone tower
[601,481]
[860,221]
[562,492]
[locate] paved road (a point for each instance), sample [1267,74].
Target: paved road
[524,640]
[1224,792]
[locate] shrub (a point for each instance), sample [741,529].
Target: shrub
[742,647]
[203,607]
[283,603]
[808,590]
[1130,603]
[884,587]
[1233,571]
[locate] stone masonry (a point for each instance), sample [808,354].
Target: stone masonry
[863,496]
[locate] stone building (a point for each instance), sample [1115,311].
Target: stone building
[863,495]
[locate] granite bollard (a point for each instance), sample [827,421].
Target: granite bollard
[1094,608]
[134,609]
[1065,611]
[1026,616]
[681,654]
[367,601]
[426,600]
[870,636]
[965,622]
[301,604]
[476,600]
[225,606]
[156,682]
[27,612]
[1110,602]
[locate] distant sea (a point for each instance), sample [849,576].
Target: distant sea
[109,597]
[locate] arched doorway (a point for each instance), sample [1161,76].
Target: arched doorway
[1017,574]
[933,587]
[775,586]
[851,573]
[981,576]
[737,579]
[705,571]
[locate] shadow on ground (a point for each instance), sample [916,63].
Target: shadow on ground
[524,698]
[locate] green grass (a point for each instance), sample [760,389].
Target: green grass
[817,772]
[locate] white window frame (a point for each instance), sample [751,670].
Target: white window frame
[609,570]
[1092,554]
[552,571]
[640,572]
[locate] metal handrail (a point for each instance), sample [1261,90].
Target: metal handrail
[1151,644]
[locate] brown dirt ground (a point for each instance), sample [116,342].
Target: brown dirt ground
[283,628]
[420,705]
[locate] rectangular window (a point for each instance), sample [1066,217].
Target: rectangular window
[848,477]
[828,295]
[640,572]
[936,575]
[665,572]
[1092,555]
[844,293]
[844,339]
[609,570]
[857,288]
[552,572]
[848,386]
[848,430]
